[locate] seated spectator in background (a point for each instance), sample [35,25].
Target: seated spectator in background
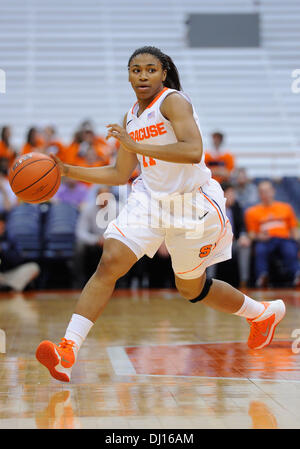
[7,197]
[34,142]
[52,144]
[246,190]
[6,151]
[109,147]
[89,236]
[236,270]
[87,150]
[221,162]
[273,227]
[13,273]
[72,192]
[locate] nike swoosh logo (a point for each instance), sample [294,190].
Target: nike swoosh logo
[200,218]
[267,331]
[129,122]
[64,360]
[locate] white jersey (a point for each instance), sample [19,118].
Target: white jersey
[162,178]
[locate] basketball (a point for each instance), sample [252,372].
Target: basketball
[34,177]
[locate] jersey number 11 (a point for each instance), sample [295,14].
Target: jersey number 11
[151,161]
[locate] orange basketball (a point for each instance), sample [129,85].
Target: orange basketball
[34,177]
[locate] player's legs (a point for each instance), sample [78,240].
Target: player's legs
[193,252]
[221,296]
[116,260]
[263,317]
[127,239]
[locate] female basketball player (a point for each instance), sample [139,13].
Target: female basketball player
[161,131]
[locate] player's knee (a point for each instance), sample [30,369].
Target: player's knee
[189,290]
[110,267]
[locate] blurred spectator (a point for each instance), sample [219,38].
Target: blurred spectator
[87,150]
[246,190]
[52,144]
[34,142]
[109,147]
[89,237]
[7,198]
[236,270]
[72,192]
[13,273]
[221,162]
[7,153]
[273,227]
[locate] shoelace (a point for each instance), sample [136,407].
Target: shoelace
[66,344]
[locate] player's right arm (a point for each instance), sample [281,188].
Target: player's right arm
[111,175]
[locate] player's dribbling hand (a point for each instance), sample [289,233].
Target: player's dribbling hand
[119,133]
[61,165]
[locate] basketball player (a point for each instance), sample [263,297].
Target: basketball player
[161,131]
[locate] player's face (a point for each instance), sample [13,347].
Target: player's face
[146,76]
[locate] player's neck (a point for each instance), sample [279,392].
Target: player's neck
[144,102]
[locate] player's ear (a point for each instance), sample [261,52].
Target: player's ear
[164,75]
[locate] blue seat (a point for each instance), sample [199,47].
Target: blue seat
[59,232]
[24,230]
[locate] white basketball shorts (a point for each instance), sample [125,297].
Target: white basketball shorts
[193,226]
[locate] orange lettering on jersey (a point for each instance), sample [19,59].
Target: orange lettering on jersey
[153,131]
[151,161]
[141,134]
[161,129]
[144,162]
[147,132]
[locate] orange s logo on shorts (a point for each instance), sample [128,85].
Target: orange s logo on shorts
[205,251]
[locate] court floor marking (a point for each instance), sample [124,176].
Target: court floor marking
[123,366]
[120,361]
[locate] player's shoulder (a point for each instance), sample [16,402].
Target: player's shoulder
[176,97]
[176,101]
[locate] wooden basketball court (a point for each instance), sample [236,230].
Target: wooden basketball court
[153,360]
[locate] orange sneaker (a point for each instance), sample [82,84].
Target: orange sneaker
[263,326]
[58,359]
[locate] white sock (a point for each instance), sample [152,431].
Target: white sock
[250,308]
[78,329]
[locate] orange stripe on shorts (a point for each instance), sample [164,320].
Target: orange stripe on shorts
[119,230]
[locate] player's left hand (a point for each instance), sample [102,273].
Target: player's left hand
[119,133]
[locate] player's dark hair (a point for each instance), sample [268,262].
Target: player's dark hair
[172,80]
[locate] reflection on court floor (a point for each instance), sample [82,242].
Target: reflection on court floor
[152,360]
[219,360]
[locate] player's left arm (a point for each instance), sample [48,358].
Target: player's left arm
[188,148]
